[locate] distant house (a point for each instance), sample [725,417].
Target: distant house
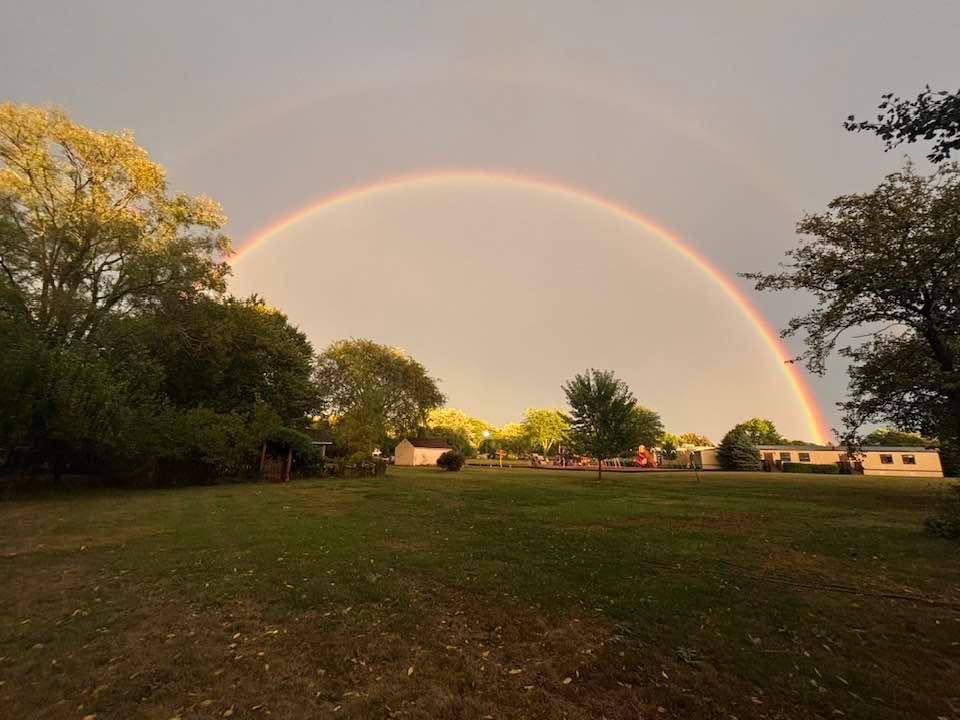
[873,460]
[419,451]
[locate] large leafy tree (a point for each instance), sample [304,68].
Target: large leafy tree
[895,379]
[225,355]
[463,432]
[452,419]
[894,438]
[359,376]
[886,264]
[88,229]
[689,438]
[546,427]
[932,115]
[762,431]
[648,427]
[514,438]
[604,418]
[119,351]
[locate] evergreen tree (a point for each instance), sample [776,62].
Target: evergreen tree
[737,451]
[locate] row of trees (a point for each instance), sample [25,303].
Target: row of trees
[545,430]
[124,355]
[541,430]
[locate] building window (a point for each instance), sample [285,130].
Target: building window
[784,457]
[886,459]
[909,459]
[804,457]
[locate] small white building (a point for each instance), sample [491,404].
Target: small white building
[419,451]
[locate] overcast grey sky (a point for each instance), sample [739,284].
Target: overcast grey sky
[718,120]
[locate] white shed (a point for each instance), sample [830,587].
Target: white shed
[419,451]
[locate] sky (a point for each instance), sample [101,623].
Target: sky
[718,122]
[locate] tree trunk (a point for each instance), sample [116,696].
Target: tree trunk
[599,468]
[950,447]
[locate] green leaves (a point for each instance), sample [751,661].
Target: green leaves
[930,116]
[378,390]
[605,420]
[761,431]
[88,231]
[884,268]
[546,427]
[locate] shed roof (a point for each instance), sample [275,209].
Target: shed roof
[438,443]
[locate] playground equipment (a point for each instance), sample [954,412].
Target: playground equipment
[645,458]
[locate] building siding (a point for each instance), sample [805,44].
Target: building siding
[407,455]
[926,462]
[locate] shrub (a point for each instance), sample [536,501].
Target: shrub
[737,451]
[945,522]
[812,468]
[451,460]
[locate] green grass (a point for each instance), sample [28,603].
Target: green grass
[420,595]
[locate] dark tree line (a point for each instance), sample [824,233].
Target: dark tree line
[122,353]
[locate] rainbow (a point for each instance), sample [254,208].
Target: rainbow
[815,421]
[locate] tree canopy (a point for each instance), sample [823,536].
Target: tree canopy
[932,115]
[121,355]
[89,231]
[648,427]
[689,438]
[894,438]
[669,444]
[513,438]
[761,431]
[547,427]
[463,432]
[361,376]
[605,420]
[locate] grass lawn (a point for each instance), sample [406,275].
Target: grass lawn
[482,594]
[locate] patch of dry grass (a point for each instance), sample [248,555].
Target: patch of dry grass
[481,594]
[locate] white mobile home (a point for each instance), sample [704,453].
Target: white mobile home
[895,461]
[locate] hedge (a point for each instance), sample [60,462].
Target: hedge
[812,468]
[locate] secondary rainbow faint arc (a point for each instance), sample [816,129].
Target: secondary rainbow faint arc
[814,418]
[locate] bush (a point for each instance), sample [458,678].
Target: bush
[812,468]
[451,460]
[945,522]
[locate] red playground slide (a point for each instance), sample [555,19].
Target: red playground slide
[645,458]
